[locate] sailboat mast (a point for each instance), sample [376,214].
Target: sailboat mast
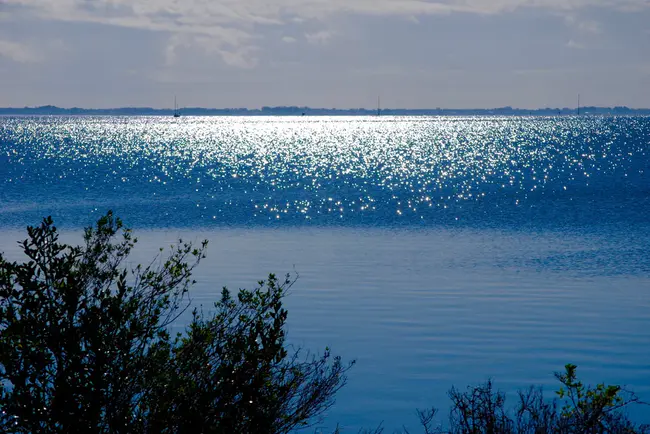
[378,105]
[177,114]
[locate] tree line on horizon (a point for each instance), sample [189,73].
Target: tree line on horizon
[299,111]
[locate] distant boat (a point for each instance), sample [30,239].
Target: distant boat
[177,114]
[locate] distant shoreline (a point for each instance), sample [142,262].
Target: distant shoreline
[308,111]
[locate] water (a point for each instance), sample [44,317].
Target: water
[435,251]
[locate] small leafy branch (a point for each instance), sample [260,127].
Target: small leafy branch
[592,409]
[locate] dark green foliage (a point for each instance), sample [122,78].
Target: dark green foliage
[84,346]
[250,383]
[593,410]
[577,409]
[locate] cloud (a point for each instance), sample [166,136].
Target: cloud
[171,55]
[589,27]
[575,45]
[243,57]
[321,37]
[200,16]
[584,26]
[231,27]
[19,53]
[288,39]
[233,50]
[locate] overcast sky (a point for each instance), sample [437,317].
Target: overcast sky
[325,53]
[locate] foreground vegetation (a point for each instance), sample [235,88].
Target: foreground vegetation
[85,346]
[577,409]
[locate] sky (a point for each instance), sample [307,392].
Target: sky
[324,53]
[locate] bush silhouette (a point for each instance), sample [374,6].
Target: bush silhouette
[85,345]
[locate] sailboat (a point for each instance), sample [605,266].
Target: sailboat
[177,114]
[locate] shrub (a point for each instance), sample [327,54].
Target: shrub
[576,409]
[85,345]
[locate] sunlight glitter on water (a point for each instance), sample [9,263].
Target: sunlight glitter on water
[253,170]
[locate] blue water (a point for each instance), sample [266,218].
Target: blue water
[435,251]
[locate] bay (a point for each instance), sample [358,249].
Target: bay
[435,251]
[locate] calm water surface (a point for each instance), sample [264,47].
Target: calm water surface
[435,251]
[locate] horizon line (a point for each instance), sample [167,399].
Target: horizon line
[292,107]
